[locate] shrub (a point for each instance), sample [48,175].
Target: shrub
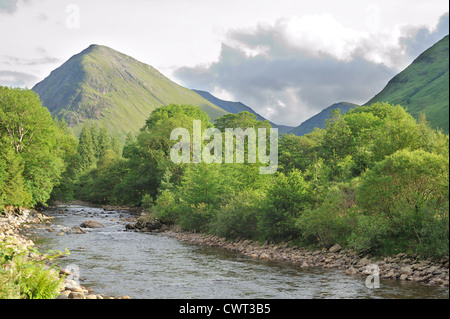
[332,222]
[405,200]
[238,218]
[196,217]
[286,200]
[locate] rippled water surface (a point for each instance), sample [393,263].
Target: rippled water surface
[116,262]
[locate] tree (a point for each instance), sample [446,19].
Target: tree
[241,120]
[405,201]
[31,131]
[405,180]
[148,155]
[86,149]
[104,142]
[12,184]
[289,196]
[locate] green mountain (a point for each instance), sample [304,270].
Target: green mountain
[236,107]
[102,85]
[319,119]
[423,86]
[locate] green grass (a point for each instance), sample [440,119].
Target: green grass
[423,86]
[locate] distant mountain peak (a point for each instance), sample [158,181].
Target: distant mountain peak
[236,107]
[104,85]
[319,120]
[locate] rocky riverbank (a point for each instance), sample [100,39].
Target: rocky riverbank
[13,222]
[399,267]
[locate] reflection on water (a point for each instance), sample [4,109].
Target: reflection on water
[115,262]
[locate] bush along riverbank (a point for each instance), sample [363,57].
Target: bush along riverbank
[25,273]
[398,267]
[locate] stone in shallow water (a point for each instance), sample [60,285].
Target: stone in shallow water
[92,224]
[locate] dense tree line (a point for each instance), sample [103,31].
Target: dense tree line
[374,179]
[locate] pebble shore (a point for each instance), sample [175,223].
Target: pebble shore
[398,267]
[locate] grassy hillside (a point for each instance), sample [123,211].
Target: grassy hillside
[103,85]
[319,119]
[236,107]
[423,86]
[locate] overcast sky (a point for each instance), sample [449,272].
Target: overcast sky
[287,59]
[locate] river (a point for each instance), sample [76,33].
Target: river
[115,262]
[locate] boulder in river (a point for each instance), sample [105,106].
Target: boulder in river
[92,224]
[75,230]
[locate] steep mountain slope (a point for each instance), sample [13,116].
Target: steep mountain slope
[319,119]
[103,85]
[236,107]
[423,86]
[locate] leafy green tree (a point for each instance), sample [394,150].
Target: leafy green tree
[289,196]
[238,216]
[12,184]
[31,131]
[86,149]
[297,152]
[241,120]
[407,179]
[104,142]
[148,155]
[405,198]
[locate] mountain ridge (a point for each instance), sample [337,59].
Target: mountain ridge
[100,84]
[236,107]
[422,87]
[319,120]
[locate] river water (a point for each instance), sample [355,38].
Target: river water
[115,262]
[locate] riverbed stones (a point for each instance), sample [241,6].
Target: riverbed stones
[75,230]
[405,270]
[400,266]
[335,248]
[363,262]
[76,295]
[91,224]
[351,271]
[145,225]
[264,256]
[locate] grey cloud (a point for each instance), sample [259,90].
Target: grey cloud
[418,40]
[16,79]
[43,58]
[292,87]
[28,62]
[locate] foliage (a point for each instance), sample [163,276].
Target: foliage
[33,148]
[238,217]
[286,200]
[24,277]
[333,221]
[406,197]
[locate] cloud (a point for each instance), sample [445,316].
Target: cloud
[20,63]
[8,6]
[292,69]
[287,89]
[17,79]
[418,39]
